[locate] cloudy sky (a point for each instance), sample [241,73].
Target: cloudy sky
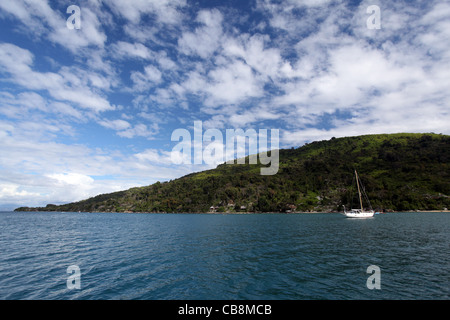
[92,110]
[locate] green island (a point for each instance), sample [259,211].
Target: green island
[401,172]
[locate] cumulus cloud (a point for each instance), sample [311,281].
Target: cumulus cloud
[64,86]
[125,50]
[164,11]
[147,79]
[40,19]
[205,40]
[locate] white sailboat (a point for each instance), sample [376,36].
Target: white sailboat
[359,213]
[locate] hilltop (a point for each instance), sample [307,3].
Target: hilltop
[399,171]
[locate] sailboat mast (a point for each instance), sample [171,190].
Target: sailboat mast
[359,191]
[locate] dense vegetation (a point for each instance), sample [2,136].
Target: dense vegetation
[399,172]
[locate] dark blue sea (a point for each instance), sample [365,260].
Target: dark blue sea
[221,257]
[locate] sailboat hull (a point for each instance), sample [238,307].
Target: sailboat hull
[363,214]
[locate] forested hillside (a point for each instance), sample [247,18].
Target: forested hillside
[399,172]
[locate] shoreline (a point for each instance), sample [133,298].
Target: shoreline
[233,213]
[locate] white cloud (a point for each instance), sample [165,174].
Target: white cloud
[232,83]
[436,38]
[125,129]
[154,156]
[308,3]
[147,79]
[27,106]
[63,86]
[11,193]
[124,50]
[38,18]
[140,130]
[89,35]
[229,83]
[165,11]
[71,179]
[165,62]
[205,40]
[115,124]
[253,50]
[284,15]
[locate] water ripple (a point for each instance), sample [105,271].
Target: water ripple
[128,256]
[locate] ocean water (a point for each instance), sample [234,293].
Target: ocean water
[206,256]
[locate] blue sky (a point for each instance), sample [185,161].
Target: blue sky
[91,111]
